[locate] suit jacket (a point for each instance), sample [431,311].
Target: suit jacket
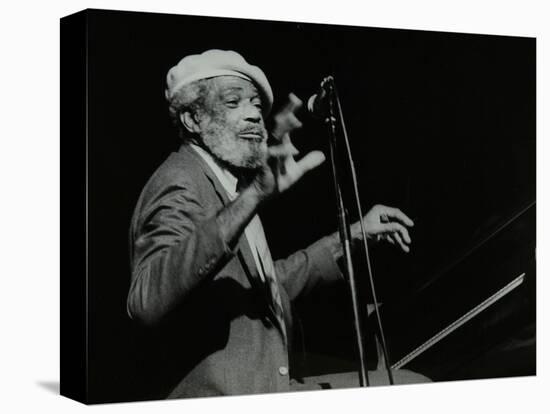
[212,327]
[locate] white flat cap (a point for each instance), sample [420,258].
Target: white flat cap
[213,63]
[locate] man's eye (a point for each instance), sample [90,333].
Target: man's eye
[232,102]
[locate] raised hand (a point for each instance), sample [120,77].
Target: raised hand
[282,171]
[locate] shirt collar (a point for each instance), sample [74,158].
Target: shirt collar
[226,178]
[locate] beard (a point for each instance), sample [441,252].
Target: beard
[234,152]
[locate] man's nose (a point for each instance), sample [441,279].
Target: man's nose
[253,113]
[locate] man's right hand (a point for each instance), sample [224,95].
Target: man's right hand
[281,171]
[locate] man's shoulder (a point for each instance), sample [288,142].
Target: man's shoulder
[180,170]
[179,167]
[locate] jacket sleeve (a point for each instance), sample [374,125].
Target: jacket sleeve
[176,246]
[306,269]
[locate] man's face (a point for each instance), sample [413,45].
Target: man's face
[231,123]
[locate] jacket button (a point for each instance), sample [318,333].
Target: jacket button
[283,370]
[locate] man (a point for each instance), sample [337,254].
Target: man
[202,273]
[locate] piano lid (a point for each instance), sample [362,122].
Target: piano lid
[466,311]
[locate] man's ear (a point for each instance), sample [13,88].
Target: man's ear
[190,122]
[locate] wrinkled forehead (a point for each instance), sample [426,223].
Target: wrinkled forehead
[226,84]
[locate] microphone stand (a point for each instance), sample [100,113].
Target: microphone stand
[345,238]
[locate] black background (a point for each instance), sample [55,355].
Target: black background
[442,125]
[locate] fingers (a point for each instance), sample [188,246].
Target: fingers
[293,104]
[396,214]
[393,233]
[282,151]
[286,170]
[389,223]
[283,125]
[285,121]
[396,236]
[286,140]
[278,154]
[399,229]
[310,161]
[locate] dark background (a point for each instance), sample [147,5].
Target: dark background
[442,125]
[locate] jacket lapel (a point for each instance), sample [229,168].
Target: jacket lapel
[244,253]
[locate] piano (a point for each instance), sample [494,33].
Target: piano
[476,317]
[473,318]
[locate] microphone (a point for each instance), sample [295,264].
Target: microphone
[317,104]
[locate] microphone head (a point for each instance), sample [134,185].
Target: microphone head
[317,105]
[311,104]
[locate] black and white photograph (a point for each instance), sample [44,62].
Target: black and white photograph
[283,206]
[274,207]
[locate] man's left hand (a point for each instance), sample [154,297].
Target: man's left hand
[385,223]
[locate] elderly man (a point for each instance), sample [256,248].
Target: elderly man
[202,273]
